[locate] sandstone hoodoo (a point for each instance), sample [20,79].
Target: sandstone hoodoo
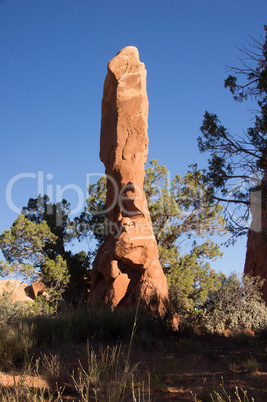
[127,263]
[256,256]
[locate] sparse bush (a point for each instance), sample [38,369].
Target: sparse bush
[236,305]
[251,365]
[42,307]
[10,310]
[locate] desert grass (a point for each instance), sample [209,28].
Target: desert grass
[241,395]
[36,347]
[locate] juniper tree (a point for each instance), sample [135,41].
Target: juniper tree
[35,247]
[237,163]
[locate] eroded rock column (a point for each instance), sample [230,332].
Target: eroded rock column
[256,255]
[127,263]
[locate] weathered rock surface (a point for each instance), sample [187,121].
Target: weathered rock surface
[256,255]
[127,263]
[20,291]
[35,289]
[16,289]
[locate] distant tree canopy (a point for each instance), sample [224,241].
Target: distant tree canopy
[238,163]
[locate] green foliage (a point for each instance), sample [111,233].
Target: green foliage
[35,247]
[56,273]
[190,284]
[93,222]
[236,305]
[237,163]
[10,311]
[56,278]
[44,305]
[251,365]
[180,212]
[27,247]
[76,292]
[57,218]
[24,246]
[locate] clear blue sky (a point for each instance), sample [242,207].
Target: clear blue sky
[53,57]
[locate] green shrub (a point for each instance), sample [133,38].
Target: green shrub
[251,365]
[9,310]
[236,305]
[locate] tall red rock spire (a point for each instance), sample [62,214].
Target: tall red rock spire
[127,263]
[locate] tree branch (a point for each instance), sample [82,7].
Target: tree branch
[231,200]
